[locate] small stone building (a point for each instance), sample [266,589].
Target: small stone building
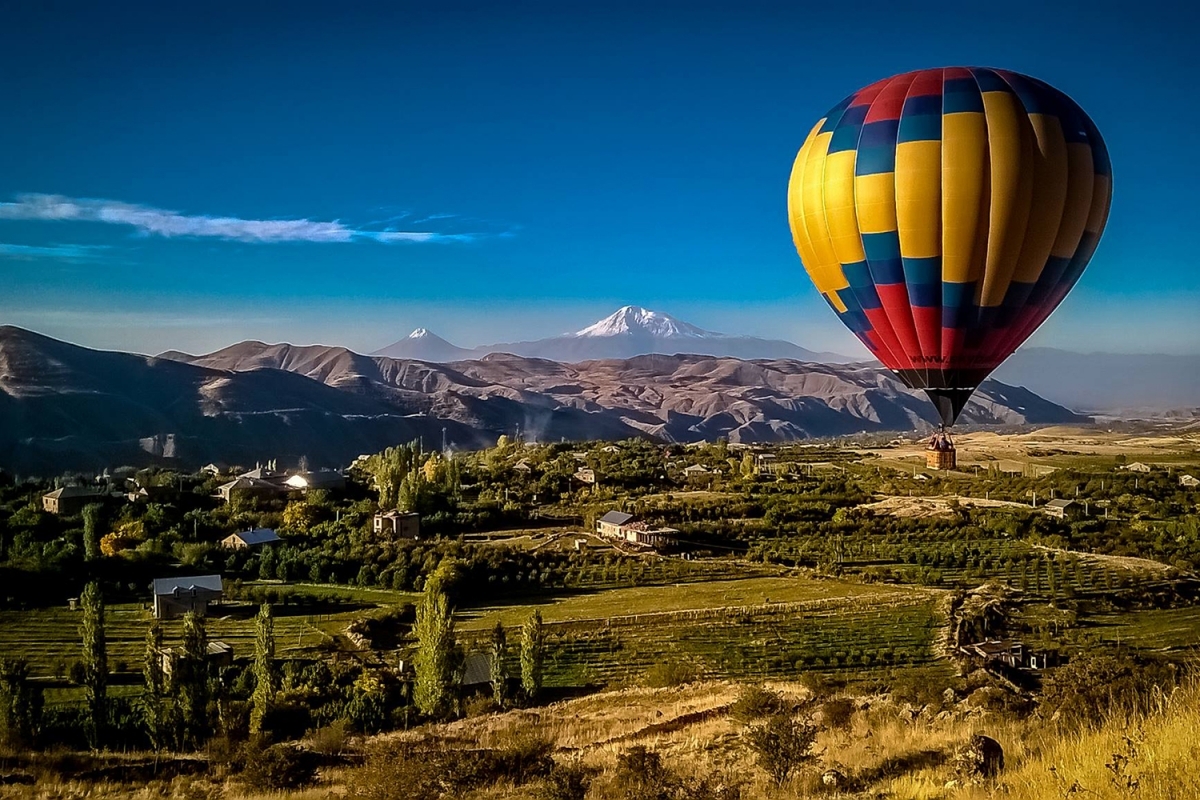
[70,501]
[399,524]
[1064,509]
[253,538]
[174,597]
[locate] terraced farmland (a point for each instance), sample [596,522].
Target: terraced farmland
[864,629]
[49,638]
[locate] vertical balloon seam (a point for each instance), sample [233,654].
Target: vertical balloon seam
[1009,339]
[924,351]
[912,317]
[980,247]
[1048,288]
[1010,144]
[905,361]
[961,261]
[822,264]
[1056,290]
[883,336]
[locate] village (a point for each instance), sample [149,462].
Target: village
[574,568]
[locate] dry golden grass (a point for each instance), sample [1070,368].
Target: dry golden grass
[888,749]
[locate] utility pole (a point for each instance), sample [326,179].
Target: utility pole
[443,441]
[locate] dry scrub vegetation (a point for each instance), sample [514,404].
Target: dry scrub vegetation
[723,741]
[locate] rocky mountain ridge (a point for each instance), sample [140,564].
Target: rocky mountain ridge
[68,407]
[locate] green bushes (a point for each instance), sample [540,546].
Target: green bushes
[782,745]
[755,702]
[438,768]
[667,674]
[1090,688]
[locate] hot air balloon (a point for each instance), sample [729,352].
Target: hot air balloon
[944,214]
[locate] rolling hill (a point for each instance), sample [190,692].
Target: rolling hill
[68,407]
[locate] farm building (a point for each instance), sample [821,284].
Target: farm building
[219,654]
[1004,651]
[523,466]
[69,500]
[585,475]
[400,524]
[246,487]
[150,494]
[610,524]
[476,670]
[252,538]
[174,597]
[1064,509]
[1188,481]
[619,525]
[1009,653]
[1137,466]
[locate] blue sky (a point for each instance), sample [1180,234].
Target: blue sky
[189,175]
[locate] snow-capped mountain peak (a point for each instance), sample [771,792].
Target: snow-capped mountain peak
[420,333]
[638,321]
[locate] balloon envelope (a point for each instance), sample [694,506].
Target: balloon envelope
[944,214]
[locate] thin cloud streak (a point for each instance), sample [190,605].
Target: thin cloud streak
[64,252]
[170,224]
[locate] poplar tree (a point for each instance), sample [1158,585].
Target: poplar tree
[190,680]
[153,699]
[264,668]
[533,645]
[499,675]
[20,705]
[91,531]
[95,662]
[434,659]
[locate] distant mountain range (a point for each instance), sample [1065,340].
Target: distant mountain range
[66,407]
[629,331]
[1094,382]
[1107,382]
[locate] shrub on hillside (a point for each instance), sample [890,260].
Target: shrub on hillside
[277,767]
[1089,688]
[782,745]
[436,768]
[754,702]
[666,674]
[838,712]
[567,781]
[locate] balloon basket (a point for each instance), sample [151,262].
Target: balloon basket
[940,453]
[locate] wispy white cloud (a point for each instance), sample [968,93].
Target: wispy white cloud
[64,252]
[152,221]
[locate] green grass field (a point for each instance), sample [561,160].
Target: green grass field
[677,597]
[1151,629]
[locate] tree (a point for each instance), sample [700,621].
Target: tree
[264,668]
[499,674]
[189,680]
[154,707]
[434,661]
[533,645]
[781,745]
[748,469]
[95,662]
[92,515]
[20,705]
[299,516]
